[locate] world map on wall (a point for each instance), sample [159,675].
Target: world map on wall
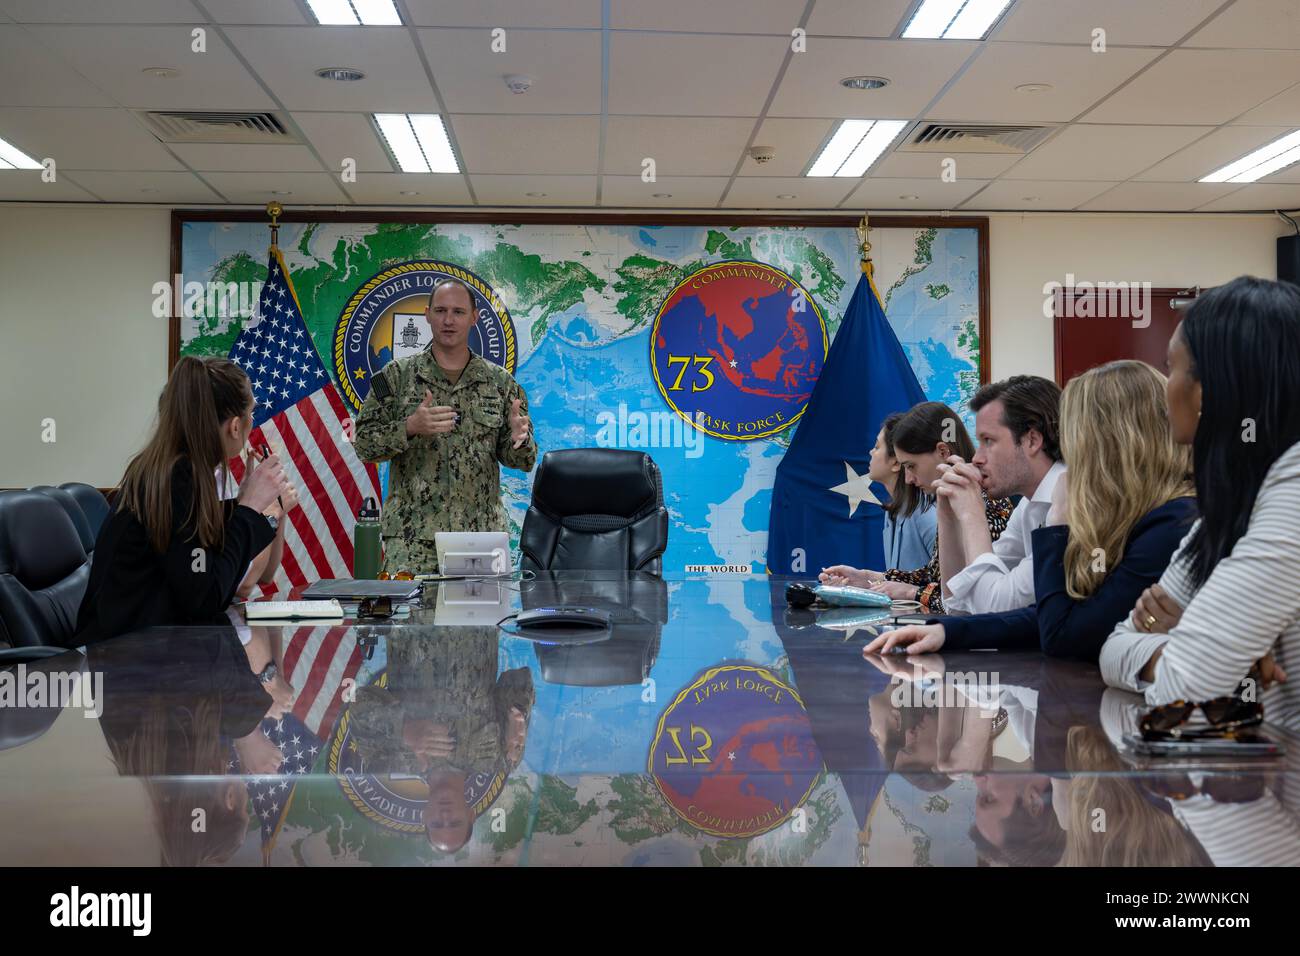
[583,300]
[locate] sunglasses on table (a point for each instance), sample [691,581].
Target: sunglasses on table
[1226,717]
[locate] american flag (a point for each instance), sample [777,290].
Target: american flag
[300,416]
[319,661]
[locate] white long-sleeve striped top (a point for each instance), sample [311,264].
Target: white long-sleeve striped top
[1248,606]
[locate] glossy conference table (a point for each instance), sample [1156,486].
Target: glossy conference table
[711,725]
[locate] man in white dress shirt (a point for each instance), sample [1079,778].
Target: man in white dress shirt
[1019,453]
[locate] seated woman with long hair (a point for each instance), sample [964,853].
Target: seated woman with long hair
[923,438]
[911,518]
[1116,517]
[1229,603]
[171,552]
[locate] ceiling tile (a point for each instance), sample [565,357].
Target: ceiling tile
[796,142]
[877,193]
[444,189]
[1011,194]
[716,16]
[853,18]
[1158,197]
[571,14]
[287,59]
[146,187]
[674,191]
[986,92]
[261,188]
[1223,146]
[1200,86]
[564,66]
[691,75]
[1261,197]
[339,136]
[30,75]
[1281,110]
[1264,24]
[679,145]
[1104,152]
[286,12]
[246,157]
[1150,22]
[113,58]
[552,144]
[100,11]
[85,139]
[25,185]
[763,192]
[906,165]
[494,190]
[917,70]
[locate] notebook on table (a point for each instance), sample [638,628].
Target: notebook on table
[293,610]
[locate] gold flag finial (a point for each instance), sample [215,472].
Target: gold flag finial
[275,211]
[864,244]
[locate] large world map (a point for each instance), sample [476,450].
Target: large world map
[583,299]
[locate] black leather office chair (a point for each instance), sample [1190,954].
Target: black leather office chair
[595,508]
[43,570]
[93,505]
[72,507]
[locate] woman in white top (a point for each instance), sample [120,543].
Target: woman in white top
[1230,598]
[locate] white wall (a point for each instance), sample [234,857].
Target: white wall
[78,341]
[79,344]
[1026,251]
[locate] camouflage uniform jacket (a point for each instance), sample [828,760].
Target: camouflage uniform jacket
[445,482]
[451,679]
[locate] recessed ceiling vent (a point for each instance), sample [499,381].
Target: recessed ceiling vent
[217,127]
[970,138]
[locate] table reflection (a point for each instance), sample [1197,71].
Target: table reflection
[709,725]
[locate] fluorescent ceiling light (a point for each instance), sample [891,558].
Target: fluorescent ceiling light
[418,142]
[351,13]
[11,157]
[855,145]
[1267,159]
[954,19]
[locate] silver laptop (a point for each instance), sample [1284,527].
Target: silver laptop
[472,553]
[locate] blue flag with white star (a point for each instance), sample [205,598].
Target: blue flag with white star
[824,511]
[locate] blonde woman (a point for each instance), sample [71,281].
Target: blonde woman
[1116,518]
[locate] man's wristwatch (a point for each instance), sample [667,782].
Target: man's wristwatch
[273,521]
[268,673]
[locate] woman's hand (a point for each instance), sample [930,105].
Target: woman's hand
[917,638]
[839,575]
[258,755]
[1270,671]
[897,590]
[1155,612]
[264,482]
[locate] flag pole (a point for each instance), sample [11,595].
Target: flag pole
[275,211]
[864,251]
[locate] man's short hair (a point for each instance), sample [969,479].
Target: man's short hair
[449,280]
[1028,401]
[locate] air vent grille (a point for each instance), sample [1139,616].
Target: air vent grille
[217,127]
[968,138]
